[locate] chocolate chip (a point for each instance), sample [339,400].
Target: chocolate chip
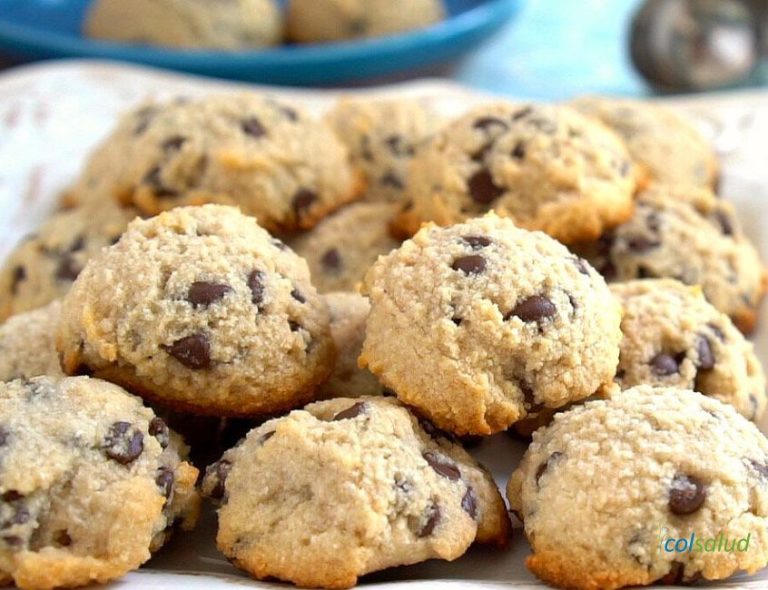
[279,244]
[12,540]
[652,221]
[469,502]
[164,480]
[266,436]
[719,334]
[754,405]
[303,200]
[391,179]
[581,265]
[219,472]
[173,144]
[331,260]
[643,272]
[486,123]
[482,187]
[521,113]
[67,269]
[442,465]
[153,178]
[725,222]
[398,147]
[296,294]
[706,356]
[456,320]
[353,411]
[144,117]
[686,494]
[256,285]
[62,538]
[19,274]
[123,443]
[469,265]
[482,151]
[294,326]
[546,465]
[4,436]
[477,242]
[11,496]
[519,151]
[194,351]
[533,309]
[203,293]
[159,430]
[253,127]
[664,364]
[761,468]
[19,511]
[77,244]
[430,518]
[641,244]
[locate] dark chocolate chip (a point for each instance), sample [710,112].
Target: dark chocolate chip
[486,123]
[398,147]
[353,411]
[482,187]
[173,144]
[477,242]
[643,272]
[294,326]
[519,151]
[641,244]
[391,179]
[253,127]
[203,293]
[652,221]
[456,320]
[761,468]
[331,260]
[194,351]
[431,519]
[303,200]
[19,275]
[442,465]
[296,294]
[686,494]
[706,356]
[12,540]
[4,436]
[77,244]
[719,334]
[470,265]
[67,269]
[164,480]
[664,364]
[266,436]
[144,117]
[279,244]
[533,309]
[219,472]
[546,465]
[725,222]
[256,285]
[581,265]
[62,538]
[153,178]
[123,443]
[159,430]
[469,502]
[521,113]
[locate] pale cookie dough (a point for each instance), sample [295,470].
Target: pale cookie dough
[667,148]
[272,160]
[43,266]
[189,24]
[674,337]
[382,137]
[603,487]
[481,323]
[346,487]
[91,483]
[202,310]
[27,347]
[349,312]
[547,167]
[317,21]
[345,245]
[698,241]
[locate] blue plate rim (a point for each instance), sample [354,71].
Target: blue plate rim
[489,16]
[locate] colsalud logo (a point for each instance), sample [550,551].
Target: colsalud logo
[696,544]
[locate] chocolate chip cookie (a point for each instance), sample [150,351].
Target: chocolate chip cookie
[698,241]
[313,21]
[674,337]
[44,265]
[481,323]
[202,310]
[91,482]
[200,24]
[349,312]
[343,246]
[667,148]
[382,137]
[300,485]
[547,167]
[270,159]
[27,347]
[648,465]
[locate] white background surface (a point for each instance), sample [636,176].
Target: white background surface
[51,115]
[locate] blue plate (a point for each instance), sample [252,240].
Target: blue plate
[40,29]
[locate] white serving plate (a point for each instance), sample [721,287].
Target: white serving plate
[52,114]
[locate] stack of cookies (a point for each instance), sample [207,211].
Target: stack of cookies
[327,308]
